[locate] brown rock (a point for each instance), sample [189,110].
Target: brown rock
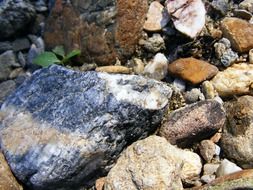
[192,70]
[7,180]
[239,32]
[157,17]
[237,138]
[100,183]
[235,80]
[239,180]
[193,123]
[114,69]
[102,30]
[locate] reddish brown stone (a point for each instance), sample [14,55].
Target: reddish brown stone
[239,32]
[193,123]
[192,70]
[102,31]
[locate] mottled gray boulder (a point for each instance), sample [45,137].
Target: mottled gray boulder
[15,16]
[63,129]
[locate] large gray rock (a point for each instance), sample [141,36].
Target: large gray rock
[15,16]
[69,127]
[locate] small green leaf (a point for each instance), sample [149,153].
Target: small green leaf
[46,59]
[73,53]
[59,50]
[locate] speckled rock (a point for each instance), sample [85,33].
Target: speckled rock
[7,180]
[207,150]
[7,63]
[193,123]
[6,88]
[192,70]
[235,80]
[69,127]
[238,180]
[157,17]
[237,138]
[188,16]
[102,30]
[224,53]
[251,56]
[15,17]
[153,44]
[239,32]
[247,4]
[153,163]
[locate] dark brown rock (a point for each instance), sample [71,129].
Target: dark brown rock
[102,30]
[193,123]
[192,70]
[237,138]
[239,32]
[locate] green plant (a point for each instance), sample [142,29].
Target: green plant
[57,56]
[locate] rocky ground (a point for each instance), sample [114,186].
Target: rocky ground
[160,98]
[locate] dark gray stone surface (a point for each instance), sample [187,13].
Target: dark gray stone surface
[15,16]
[63,129]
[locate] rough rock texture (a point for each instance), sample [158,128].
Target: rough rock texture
[227,167]
[188,16]
[207,150]
[70,126]
[152,163]
[235,80]
[192,70]
[7,63]
[239,32]
[237,138]
[157,17]
[238,180]
[7,180]
[15,16]
[114,69]
[102,30]
[193,123]
[6,88]
[157,68]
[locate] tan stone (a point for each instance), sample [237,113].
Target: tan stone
[239,180]
[153,163]
[102,32]
[7,180]
[100,183]
[239,32]
[157,17]
[235,80]
[192,70]
[114,69]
